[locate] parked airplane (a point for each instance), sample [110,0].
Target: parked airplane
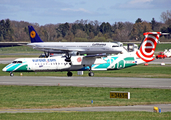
[84,63]
[70,48]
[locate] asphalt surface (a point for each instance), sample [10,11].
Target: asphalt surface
[147,108]
[164,83]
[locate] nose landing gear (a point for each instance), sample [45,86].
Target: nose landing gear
[11,74]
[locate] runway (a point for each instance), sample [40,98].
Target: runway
[164,83]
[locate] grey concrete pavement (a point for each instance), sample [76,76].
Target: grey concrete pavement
[164,83]
[147,108]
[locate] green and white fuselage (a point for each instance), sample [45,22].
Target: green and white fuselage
[78,63]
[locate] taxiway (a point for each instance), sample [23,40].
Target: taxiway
[123,82]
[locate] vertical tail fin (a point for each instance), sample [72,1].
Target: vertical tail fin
[148,46]
[34,37]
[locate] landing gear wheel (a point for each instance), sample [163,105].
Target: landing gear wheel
[46,54]
[69,74]
[91,74]
[11,74]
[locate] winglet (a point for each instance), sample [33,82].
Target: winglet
[34,37]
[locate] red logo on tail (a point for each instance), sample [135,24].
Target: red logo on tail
[148,46]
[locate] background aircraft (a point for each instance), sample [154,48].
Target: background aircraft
[73,48]
[83,63]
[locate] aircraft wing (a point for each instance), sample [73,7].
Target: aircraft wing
[52,49]
[63,50]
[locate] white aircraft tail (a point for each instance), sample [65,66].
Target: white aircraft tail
[148,46]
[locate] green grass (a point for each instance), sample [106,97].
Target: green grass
[18,49]
[162,47]
[87,116]
[60,96]
[18,56]
[159,47]
[150,71]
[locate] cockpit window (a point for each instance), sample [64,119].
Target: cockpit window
[14,62]
[17,62]
[115,46]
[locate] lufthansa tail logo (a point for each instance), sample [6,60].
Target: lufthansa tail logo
[32,34]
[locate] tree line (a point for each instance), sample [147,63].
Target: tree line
[85,30]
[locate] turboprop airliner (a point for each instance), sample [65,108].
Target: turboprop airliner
[83,63]
[70,48]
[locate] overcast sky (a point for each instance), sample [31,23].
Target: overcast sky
[61,11]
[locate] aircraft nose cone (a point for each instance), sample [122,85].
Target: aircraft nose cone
[4,69]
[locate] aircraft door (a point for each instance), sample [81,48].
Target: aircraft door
[31,66]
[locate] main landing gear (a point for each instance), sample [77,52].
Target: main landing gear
[46,54]
[69,74]
[91,74]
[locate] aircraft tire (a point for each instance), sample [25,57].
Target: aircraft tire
[11,74]
[69,74]
[91,74]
